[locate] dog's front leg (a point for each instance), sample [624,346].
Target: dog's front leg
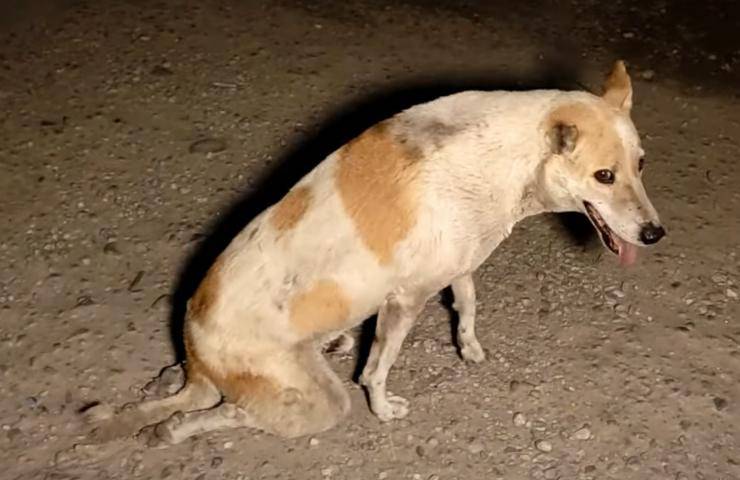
[463,289]
[395,319]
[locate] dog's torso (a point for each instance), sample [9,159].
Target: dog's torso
[409,205]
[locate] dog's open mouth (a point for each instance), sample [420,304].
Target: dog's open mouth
[626,251]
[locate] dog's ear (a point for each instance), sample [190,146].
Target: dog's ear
[618,87]
[563,138]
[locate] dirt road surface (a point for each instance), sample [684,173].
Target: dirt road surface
[137,137]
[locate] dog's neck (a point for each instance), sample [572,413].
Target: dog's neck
[493,199]
[517,186]
[492,171]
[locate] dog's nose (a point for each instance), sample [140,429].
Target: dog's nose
[651,233]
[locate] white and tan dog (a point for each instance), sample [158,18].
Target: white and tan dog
[414,204]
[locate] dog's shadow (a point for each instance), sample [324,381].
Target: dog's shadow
[343,125]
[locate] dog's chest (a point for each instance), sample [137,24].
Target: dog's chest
[488,244]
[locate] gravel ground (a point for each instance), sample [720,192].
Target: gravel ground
[136,137]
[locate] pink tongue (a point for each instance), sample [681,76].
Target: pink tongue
[627,253]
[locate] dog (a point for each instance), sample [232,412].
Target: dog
[414,204]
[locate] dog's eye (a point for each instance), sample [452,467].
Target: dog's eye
[604,176]
[641,164]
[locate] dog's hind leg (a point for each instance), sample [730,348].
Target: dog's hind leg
[311,400]
[395,319]
[183,425]
[197,394]
[463,288]
[298,395]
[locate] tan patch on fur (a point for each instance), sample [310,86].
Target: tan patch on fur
[194,368]
[289,211]
[597,139]
[374,177]
[321,308]
[242,387]
[206,295]
[599,147]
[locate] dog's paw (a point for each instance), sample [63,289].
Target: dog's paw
[472,352]
[147,437]
[393,408]
[162,434]
[167,431]
[168,382]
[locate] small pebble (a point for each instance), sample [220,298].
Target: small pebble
[551,473]
[313,441]
[581,434]
[167,472]
[519,419]
[208,145]
[539,425]
[633,462]
[84,301]
[615,292]
[216,462]
[543,446]
[475,448]
[719,403]
[228,445]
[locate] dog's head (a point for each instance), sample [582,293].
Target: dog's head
[596,166]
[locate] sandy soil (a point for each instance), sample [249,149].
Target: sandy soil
[109,215]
